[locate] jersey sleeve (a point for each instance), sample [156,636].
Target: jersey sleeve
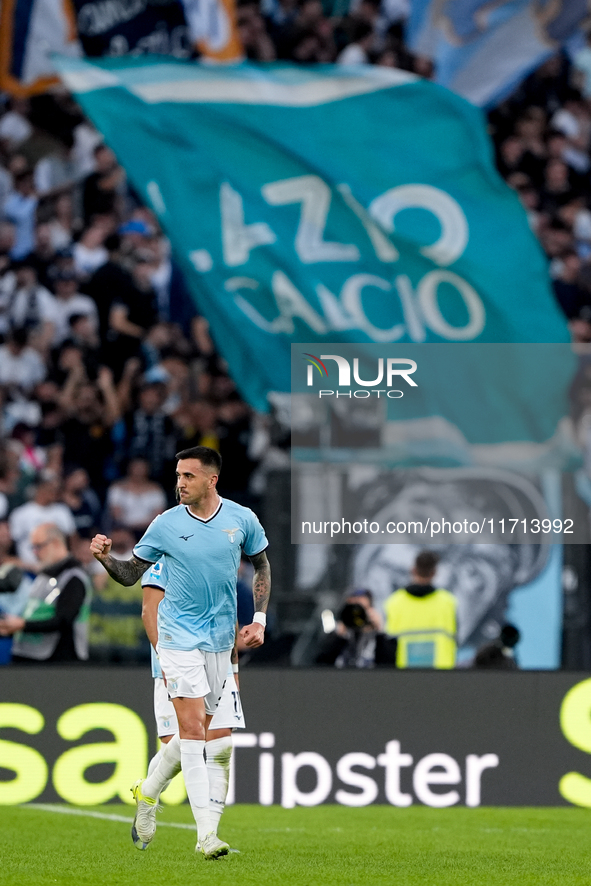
[149,547]
[155,576]
[255,539]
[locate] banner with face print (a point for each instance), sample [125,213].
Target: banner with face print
[323,204]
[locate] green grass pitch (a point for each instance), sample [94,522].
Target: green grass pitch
[322,846]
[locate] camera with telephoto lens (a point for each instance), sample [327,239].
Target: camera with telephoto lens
[354,616]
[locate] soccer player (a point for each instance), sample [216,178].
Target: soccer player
[200,541]
[228,716]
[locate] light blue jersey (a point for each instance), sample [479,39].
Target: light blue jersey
[155,577]
[201,559]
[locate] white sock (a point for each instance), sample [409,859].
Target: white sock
[218,754]
[166,768]
[197,784]
[155,760]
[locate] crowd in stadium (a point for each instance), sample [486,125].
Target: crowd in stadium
[542,136]
[106,370]
[106,367]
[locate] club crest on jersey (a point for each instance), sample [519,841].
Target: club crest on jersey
[231,533]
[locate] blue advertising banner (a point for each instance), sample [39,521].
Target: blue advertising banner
[323,205]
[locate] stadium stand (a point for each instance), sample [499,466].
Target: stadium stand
[106,366]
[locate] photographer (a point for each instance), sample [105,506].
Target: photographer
[353,643]
[500,653]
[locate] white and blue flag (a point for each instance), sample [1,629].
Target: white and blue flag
[483,49]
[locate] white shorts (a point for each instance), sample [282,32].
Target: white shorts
[195,674]
[229,714]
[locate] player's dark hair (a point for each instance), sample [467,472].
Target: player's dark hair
[208,457]
[426,564]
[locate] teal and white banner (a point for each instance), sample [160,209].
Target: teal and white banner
[323,204]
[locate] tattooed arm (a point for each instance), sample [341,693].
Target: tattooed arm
[261,586]
[253,635]
[126,572]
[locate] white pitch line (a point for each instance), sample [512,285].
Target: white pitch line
[87,813]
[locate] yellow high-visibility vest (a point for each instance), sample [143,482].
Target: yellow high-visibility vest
[425,628]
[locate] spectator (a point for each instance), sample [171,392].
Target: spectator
[54,627]
[101,187]
[84,339]
[21,367]
[357,51]
[20,208]
[92,409]
[62,224]
[90,252]
[8,480]
[7,238]
[133,235]
[11,573]
[530,200]
[556,238]
[55,172]
[132,314]
[134,501]
[82,501]
[422,619]
[52,415]
[252,32]
[510,156]
[14,587]
[572,119]
[15,125]
[44,254]
[571,297]
[70,303]
[151,434]
[557,189]
[31,458]
[197,422]
[30,306]
[234,433]
[529,127]
[576,215]
[110,283]
[582,64]
[44,508]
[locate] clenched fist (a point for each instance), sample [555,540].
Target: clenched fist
[100,547]
[253,635]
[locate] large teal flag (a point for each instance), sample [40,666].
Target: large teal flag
[323,204]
